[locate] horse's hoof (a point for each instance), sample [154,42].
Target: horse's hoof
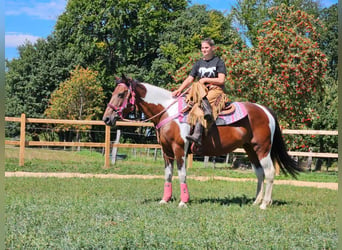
[162,202]
[182,205]
[256,203]
[263,206]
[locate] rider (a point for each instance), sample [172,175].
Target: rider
[207,94]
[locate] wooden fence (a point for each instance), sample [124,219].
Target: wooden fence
[108,145]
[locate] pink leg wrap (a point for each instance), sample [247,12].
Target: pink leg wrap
[167,191]
[184,192]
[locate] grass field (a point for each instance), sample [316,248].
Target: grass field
[44,160]
[74,213]
[51,213]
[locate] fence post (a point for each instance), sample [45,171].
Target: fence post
[190,159]
[115,149]
[277,168]
[205,161]
[107,147]
[22,140]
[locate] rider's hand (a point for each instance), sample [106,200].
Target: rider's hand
[176,93]
[204,81]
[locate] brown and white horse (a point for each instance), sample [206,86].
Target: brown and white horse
[258,133]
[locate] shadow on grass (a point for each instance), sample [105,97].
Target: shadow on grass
[225,201]
[237,200]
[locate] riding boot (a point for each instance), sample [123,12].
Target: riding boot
[208,114]
[196,136]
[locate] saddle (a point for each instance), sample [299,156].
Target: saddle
[230,113]
[229,108]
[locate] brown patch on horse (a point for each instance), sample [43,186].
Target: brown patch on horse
[261,140]
[172,142]
[140,89]
[222,139]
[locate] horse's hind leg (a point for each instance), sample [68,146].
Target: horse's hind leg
[267,165]
[259,172]
[168,180]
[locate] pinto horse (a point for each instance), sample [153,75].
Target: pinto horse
[258,133]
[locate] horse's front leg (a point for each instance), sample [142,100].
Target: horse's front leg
[168,180]
[181,165]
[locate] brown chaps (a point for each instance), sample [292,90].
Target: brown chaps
[215,96]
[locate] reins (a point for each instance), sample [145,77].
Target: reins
[165,109]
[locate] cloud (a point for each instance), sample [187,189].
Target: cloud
[13,39]
[41,10]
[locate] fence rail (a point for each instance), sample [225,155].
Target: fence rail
[22,143]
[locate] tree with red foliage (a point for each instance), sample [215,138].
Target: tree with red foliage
[283,71]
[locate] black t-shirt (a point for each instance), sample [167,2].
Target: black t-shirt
[211,68]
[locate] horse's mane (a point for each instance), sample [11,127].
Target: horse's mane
[156,91]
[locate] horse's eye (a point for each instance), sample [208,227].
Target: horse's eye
[121,95]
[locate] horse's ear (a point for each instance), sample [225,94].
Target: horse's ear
[124,78]
[117,79]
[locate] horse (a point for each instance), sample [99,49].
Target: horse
[258,133]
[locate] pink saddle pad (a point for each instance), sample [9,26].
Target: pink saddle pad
[239,113]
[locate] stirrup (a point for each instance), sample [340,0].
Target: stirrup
[191,138]
[208,117]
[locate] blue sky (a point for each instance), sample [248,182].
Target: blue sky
[28,20]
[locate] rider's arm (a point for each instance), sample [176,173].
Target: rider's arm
[219,80]
[183,86]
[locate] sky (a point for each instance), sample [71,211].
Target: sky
[28,20]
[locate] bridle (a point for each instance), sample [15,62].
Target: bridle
[129,99]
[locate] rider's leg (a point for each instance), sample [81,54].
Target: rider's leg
[215,101]
[197,134]
[208,113]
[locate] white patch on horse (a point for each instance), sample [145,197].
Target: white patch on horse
[164,97]
[183,127]
[157,95]
[267,165]
[269,171]
[271,121]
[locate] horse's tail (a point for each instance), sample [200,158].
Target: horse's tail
[279,153]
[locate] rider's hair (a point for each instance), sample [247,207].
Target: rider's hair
[209,41]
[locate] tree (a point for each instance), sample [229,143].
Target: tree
[328,40]
[284,71]
[32,77]
[115,37]
[249,15]
[287,66]
[78,98]
[182,40]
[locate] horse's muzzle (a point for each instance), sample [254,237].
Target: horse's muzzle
[110,120]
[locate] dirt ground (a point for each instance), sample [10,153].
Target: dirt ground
[328,185]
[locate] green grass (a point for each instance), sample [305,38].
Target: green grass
[52,213]
[44,160]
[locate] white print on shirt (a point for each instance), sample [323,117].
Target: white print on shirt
[204,70]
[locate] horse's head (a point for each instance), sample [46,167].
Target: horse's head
[121,103]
